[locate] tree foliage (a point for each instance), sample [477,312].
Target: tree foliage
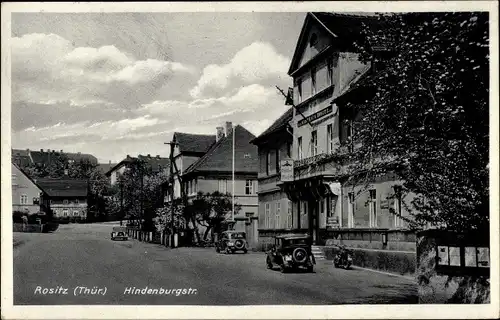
[139,193]
[210,210]
[427,119]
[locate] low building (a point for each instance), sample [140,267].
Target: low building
[65,198]
[214,172]
[26,192]
[43,158]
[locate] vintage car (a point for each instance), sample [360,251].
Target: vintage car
[231,241]
[291,252]
[119,233]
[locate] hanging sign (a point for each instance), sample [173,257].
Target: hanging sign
[286,170]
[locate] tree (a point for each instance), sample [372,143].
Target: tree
[427,119]
[211,210]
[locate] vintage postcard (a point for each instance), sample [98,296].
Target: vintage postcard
[253,160]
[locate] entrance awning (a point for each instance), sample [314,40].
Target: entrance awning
[312,189]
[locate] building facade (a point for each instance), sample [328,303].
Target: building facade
[26,192]
[324,68]
[65,198]
[213,172]
[275,208]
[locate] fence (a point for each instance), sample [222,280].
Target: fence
[163,239]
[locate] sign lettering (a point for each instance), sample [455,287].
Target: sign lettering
[315,116]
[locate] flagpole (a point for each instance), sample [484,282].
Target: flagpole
[233,133]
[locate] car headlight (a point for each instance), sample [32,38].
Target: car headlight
[230,243]
[288,258]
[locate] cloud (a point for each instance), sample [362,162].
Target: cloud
[47,68]
[256,62]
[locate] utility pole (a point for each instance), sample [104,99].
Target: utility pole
[121,200]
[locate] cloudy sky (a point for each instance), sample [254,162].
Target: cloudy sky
[113,84]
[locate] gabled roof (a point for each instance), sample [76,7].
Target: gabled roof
[64,188]
[279,124]
[198,143]
[341,26]
[155,163]
[44,157]
[219,157]
[27,176]
[105,167]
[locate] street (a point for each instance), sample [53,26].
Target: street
[79,255]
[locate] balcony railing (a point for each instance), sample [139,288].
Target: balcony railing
[308,161]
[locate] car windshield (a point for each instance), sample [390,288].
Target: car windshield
[237,236]
[288,242]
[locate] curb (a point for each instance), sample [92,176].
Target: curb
[385,273]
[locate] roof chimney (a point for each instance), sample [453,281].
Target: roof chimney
[41,150]
[157,156]
[149,156]
[220,133]
[229,128]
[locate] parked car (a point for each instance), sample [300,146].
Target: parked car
[231,241]
[119,233]
[291,252]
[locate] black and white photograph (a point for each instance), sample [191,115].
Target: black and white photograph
[333,156]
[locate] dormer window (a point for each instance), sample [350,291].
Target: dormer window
[313,40]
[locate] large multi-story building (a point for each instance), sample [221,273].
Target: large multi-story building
[214,172]
[275,208]
[324,68]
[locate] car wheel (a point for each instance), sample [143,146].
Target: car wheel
[269,264]
[245,251]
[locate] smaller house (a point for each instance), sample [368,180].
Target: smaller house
[25,192]
[154,164]
[66,198]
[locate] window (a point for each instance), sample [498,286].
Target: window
[314,143]
[289,150]
[51,201]
[373,208]
[65,201]
[289,216]
[223,185]
[75,213]
[24,199]
[329,138]
[313,81]
[36,200]
[267,216]
[278,167]
[475,257]
[330,72]
[299,148]
[65,212]
[299,90]
[277,222]
[350,217]
[249,187]
[268,163]
[14,179]
[398,222]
